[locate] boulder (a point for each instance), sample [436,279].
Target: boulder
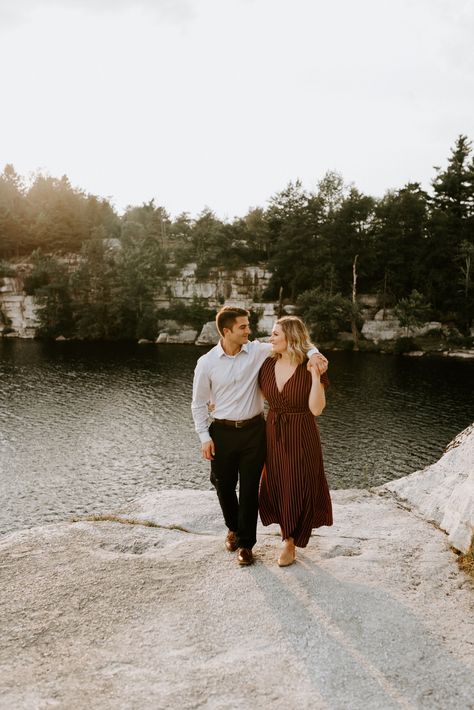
[390,328]
[369,300]
[267,317]
[463,354]
[187,336]
[378,329]
[385,314]
[208,335]
[427,328]
[18,310]
[443,493]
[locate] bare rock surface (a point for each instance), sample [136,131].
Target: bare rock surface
[444,491]
[374,614]
[208,334]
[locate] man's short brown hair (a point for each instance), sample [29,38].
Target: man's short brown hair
[227,317]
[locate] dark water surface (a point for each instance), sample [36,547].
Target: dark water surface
[86,427]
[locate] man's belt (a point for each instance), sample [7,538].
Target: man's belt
[239,423]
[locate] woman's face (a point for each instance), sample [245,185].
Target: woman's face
[278,340]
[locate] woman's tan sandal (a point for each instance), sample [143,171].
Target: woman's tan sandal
[287,556]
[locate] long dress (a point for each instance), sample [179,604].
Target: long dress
[293,488]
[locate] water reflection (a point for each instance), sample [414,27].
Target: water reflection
[85,427]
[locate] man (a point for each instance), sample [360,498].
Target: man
[226,378]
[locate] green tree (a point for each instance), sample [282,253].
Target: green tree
[180,238]
[141,267]
[400,241]
[210,241]
[94,291]
[451,225]
[294,218]
[326,315]
[350,234]
[412,311]
[257,235]
[14,224]
[154,220]
[466,267]
[49,283]
[62,217]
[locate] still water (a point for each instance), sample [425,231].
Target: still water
[85,427]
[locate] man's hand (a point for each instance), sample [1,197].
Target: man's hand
[208,451]
[319,362]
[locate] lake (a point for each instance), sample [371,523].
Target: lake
[85,427]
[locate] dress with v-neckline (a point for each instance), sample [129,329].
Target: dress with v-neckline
[280,391]
[293,488]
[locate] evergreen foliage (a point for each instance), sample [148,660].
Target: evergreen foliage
[412,311]
[194,315]
[326,315]
[97,274]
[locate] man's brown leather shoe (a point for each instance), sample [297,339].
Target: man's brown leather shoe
[231,543]
[245,556]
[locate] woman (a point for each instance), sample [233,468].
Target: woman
[293,489]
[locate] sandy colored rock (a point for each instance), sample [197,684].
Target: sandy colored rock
[208,334]
[375,613]
[444,491]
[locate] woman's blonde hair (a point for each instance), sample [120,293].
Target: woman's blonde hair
[297,338]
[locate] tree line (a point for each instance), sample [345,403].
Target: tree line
[98,272]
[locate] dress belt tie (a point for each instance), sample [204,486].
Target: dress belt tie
[281,418]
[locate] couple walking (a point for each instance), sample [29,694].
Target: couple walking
[232,379]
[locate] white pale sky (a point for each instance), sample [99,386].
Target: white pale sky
[222,102]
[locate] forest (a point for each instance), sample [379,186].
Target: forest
[96,272]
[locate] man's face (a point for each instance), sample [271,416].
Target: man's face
[239,334]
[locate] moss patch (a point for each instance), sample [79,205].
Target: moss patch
[466,561]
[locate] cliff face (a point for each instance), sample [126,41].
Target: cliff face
[18,312]
[386,326]
[242,287]
[444,492]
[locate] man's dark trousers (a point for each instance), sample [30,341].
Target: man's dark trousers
[239,457]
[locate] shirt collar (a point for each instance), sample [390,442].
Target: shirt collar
[220,350]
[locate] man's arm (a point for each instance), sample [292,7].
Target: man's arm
[201,398]
[314,356]
[267,347]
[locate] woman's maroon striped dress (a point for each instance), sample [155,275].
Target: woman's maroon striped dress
[293,489]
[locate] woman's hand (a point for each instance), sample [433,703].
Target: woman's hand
[319,361]
[317,396]
[315,372]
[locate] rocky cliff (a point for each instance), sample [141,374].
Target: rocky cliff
[444,492]
[244,287]
[18,312]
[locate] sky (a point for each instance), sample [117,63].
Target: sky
[220,103]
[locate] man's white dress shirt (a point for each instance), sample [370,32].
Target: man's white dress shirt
[230,383]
